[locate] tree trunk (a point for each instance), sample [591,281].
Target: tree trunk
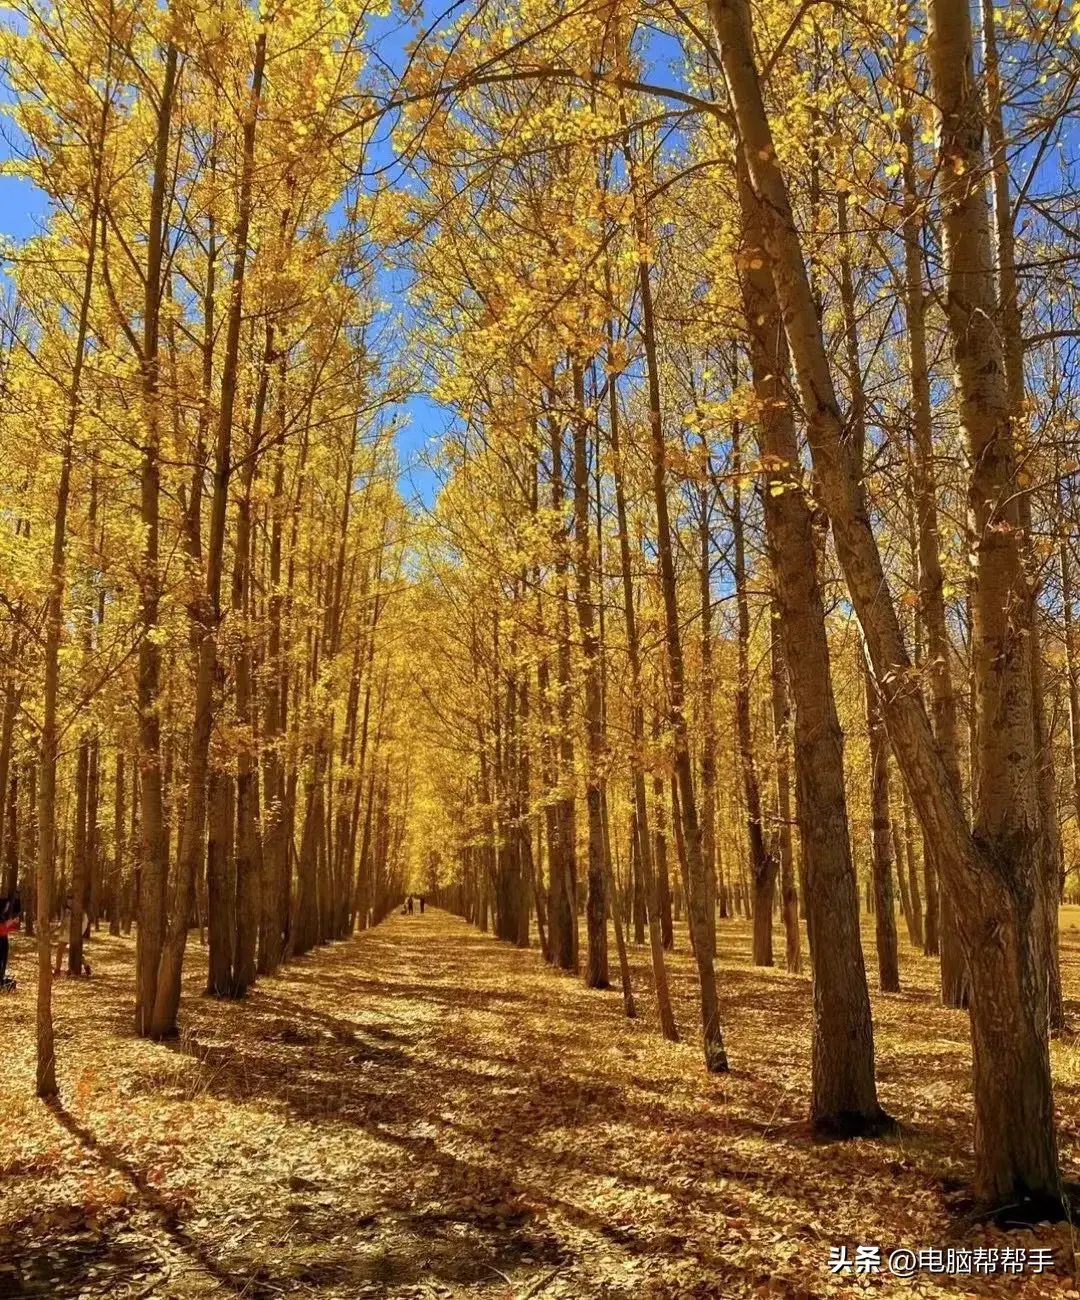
[697,892]
[931,577]
[596,964]
[708,710]
[763,863]
[275,843]
[12,700]
[1072,669]
[93,835]
[1050,857]
[781,721]
[155,850]
[112,888]
[881,842]
[54,623]
[843,1091]
[562,916]
[248,843]
[79,861]
[912,871]
[28,845]
[698,895]
[218,870]
[11,832]
[931,916]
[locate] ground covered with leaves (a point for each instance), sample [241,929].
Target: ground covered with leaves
[421,1111]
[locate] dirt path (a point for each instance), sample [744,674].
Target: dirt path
[420,1111]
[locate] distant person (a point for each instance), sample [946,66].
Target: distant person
[410,904]
[10,914]
[421,904]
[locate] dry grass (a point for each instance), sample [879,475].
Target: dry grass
[420,1111]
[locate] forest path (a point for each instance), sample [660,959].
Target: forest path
[422,1111]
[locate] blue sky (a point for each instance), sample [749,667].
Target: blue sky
[421,420]
[24,208]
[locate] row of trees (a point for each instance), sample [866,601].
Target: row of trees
[764,433]
[203,539]
[765,437]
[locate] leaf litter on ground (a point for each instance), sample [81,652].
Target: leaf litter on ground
[422,1111]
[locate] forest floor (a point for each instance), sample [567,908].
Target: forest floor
[421,1111]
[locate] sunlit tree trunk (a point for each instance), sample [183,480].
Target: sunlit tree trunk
[1072,669]
[941,924]
[707,705]
[248,841]
[155,848]
[881,842]
[275,842]
[785,851]
[116,869]
[698,895]
[763,864]
[562,898]
[54,622]
[79,864]
[1050,864]
[12,701]
[596,964]
[641,848]
[843,1090]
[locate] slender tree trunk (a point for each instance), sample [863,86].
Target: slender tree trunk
[698,895]
[1072,669]
[1050,857]
[931,577]
[596,965]
[912,871]
[248,843]
[901,878]
[54,622]
[617,920]
[218,859]
[155,849]
[562,918]
[79,863]
[116,872]
[93,834]
[881,846]
[708,710]
[275,843]
[12,700]
[781,721]
[843,1092]
[763,864]
[11,825]
[28,845]
[637,878]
